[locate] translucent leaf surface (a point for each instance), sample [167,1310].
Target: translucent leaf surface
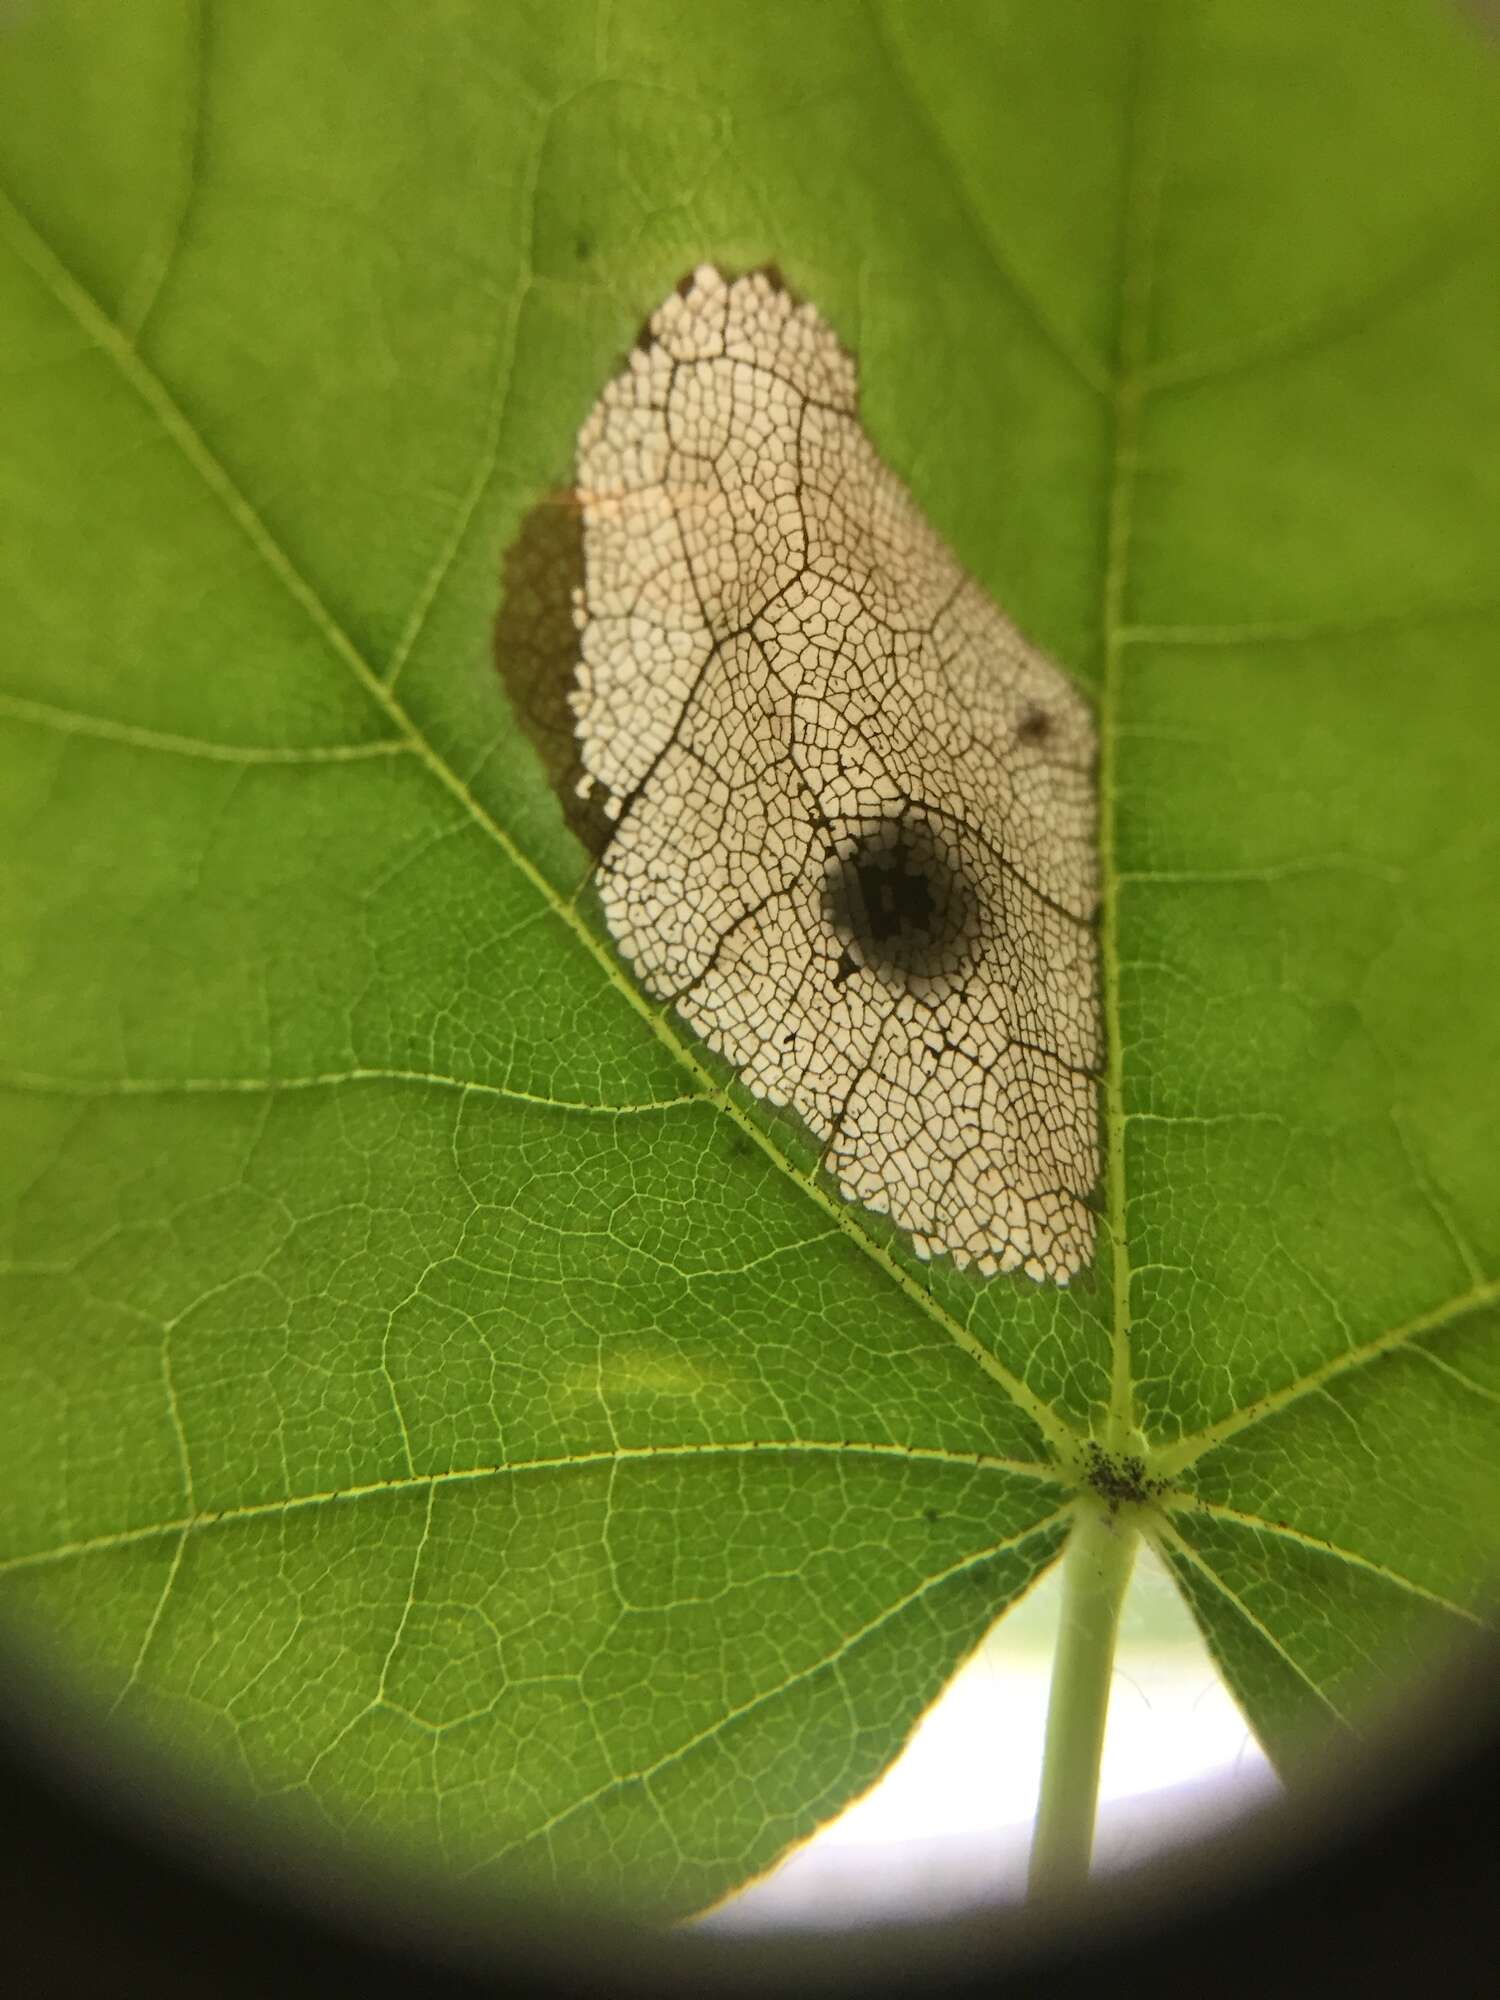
[433,1389]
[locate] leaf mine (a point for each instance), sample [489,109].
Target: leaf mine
[848,821]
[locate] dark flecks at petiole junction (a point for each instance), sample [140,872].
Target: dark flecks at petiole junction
[1119,1478]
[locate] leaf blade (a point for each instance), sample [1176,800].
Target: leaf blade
[422,1246]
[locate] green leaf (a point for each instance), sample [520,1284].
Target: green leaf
[435,1392]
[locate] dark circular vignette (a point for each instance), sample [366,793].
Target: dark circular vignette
[120,1880]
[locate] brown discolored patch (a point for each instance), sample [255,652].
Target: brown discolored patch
[536,651]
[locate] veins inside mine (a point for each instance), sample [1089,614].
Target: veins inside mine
[842,808]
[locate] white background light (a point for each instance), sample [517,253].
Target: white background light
[949,1825]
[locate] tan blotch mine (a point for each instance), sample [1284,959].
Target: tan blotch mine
[852,809]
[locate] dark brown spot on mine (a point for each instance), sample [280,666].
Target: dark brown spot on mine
[898,900]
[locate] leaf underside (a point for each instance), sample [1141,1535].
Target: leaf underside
[437,1393]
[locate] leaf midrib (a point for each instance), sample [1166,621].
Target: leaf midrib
[1140,183]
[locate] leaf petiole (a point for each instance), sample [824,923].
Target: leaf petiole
[1096,1570]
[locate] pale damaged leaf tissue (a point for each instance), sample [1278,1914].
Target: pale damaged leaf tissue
[849,811]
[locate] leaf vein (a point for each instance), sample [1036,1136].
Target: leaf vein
[156,266]
[253,1086]
[1189,1555]
[726,1721]
[68,722]
[1284,1531]
[1142,183]
[1088,369]
[1301,632]
[262,1510]
[1443,254]
[1175,1459]
[495,414]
